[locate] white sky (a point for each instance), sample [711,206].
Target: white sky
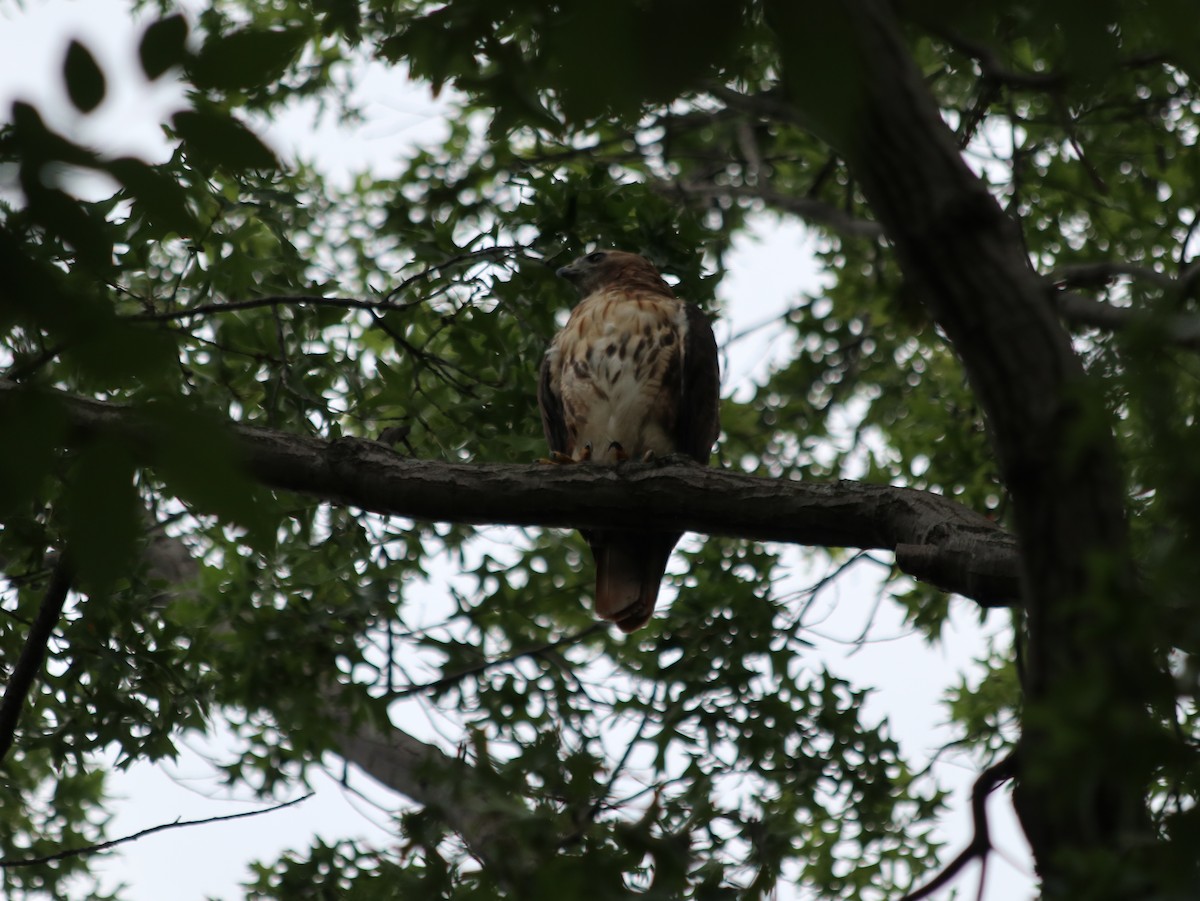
[769,271]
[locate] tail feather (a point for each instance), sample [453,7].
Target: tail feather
[629,571]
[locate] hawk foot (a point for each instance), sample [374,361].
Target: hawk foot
[558,458]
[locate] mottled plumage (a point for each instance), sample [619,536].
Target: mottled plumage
[633,374]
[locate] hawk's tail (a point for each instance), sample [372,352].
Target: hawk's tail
[629,570]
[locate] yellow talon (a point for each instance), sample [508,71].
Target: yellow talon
[558,458]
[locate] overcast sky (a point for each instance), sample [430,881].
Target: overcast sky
[769,271]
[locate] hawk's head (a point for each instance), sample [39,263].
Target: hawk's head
[608,268]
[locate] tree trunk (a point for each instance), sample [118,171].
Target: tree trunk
[1089,667]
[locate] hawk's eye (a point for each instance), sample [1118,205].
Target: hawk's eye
[596,257]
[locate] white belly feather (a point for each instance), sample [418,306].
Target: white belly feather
[619,364]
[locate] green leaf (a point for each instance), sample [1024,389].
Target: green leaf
[157,197]
[64,216]
[114,352]
[222,140]
[197,457]
[243,60]
[102,514]
[85,81]
[33,426]
[340,15]
[163,45]
[35,145]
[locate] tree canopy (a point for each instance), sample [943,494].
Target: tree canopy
[252,418]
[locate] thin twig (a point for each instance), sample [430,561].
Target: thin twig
[385,304]
[815,212]
[21,371]
[974,117]
[589,815]
[990,64]
[454,678]
[981,842]
[1103,272]
[1182,330]
[275,300]
[177,824]
[484,253]
[766,104]
[29,664]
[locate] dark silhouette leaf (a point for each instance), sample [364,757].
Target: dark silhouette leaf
[158,197]
[85,81]
[222,140]
[242,60]
[163,45]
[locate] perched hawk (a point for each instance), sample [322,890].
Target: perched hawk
[632,375]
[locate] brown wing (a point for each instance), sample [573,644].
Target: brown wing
[554,424]
[699,402]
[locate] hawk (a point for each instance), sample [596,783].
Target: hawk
[632,375]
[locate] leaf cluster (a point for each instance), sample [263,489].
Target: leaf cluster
[711,756]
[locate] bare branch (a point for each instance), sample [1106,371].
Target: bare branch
[455,678]
[1104,272]
[1182,330]
[770,106]
[981,843]
[384,304]
[275,300]
[958,550]
[177,824]
[809,209]
[990,64]
[1079,275]
[29,664]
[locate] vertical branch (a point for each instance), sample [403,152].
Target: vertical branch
[1091,672]
[29,664]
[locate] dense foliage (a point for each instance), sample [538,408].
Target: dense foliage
[702,757]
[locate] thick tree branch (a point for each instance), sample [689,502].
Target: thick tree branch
[934,538]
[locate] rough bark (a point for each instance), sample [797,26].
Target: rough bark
[934,538]
[1054,444]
